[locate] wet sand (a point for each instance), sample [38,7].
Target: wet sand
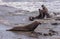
[8,21]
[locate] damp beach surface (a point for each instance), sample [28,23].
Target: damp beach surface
[10,21]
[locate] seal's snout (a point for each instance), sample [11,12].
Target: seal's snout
[38,22]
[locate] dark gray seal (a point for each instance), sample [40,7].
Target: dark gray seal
[29,27]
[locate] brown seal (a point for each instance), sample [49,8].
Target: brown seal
[29,27]
[40,16]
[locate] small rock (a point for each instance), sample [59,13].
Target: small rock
[54,24]
[45,34]
[53,32]
[57,19]
[39,33]
[50,34]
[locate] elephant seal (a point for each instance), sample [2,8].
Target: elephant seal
[40,16]
[31,18]
[29,27]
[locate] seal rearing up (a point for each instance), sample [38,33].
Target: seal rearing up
[29,27]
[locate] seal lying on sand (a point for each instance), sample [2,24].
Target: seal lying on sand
[29,27]
[40,16]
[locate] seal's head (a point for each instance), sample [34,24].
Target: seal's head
[37,22]
[42,6]
[31,18]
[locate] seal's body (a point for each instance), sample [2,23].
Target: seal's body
[30,27]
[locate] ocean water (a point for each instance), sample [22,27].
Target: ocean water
[14,14]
